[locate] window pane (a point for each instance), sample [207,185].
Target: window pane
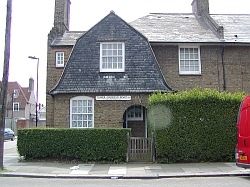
[74,124]
[74,117]
[74,103]
[89,102]
[90,117]
[79,110]
[104,46]
[114,46]
[79,124]
[119,65]
[84,111]
[79,117]
[109,52]
[109,46]
[119,59]
[90,124]
[84,123]
[89,109]
[104,65]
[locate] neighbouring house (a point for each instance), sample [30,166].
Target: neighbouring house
[20,106]
[102,77]
[42,116]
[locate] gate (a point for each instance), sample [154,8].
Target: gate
[140,149]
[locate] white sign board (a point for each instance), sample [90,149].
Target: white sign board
[113,98]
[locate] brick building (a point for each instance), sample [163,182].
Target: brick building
[103,77]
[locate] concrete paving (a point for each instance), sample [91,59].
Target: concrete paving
[16,168]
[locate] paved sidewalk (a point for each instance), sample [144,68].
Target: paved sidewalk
[14,168]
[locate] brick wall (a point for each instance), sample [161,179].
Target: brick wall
[107,113]
[237,68]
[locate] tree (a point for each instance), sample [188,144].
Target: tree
[5,78]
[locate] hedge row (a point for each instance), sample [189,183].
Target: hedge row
[80,144]
[194,126]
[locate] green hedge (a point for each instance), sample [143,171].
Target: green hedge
[196,125]
[80,144]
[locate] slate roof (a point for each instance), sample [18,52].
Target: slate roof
[236,26]
[181,28]
[174,28]
[69,38]
[82,72]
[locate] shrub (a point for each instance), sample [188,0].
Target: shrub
[201,128]
[81,144]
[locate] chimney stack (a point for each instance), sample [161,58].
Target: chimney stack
[62,16]
[31,84]
[198,6]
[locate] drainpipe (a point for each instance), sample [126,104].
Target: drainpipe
[223,68]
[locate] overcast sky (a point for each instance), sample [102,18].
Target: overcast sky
[33,19]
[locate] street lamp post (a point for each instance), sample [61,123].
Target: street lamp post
[33,57]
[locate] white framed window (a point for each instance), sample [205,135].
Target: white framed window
[82,112]
[15,106]
[189,60]
[15,93]
[135,113]
[112,57]
[59,59]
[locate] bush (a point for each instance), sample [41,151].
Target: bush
[201,128]
[80,144]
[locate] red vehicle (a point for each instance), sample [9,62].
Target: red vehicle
[242,151]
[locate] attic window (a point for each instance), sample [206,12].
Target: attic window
[59,59]
[112,55]
[15,106]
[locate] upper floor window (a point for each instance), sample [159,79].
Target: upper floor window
[15,106]
[15,93]
[189,60]
[112,57]
[82,112]
[59,59]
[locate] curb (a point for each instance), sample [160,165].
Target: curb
[61,176]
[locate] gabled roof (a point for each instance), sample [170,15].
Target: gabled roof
[82,72]
[23,94]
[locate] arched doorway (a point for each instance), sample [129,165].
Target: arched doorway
[135,118]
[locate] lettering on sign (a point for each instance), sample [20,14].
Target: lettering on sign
[113,98]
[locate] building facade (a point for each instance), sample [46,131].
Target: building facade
[101,78]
